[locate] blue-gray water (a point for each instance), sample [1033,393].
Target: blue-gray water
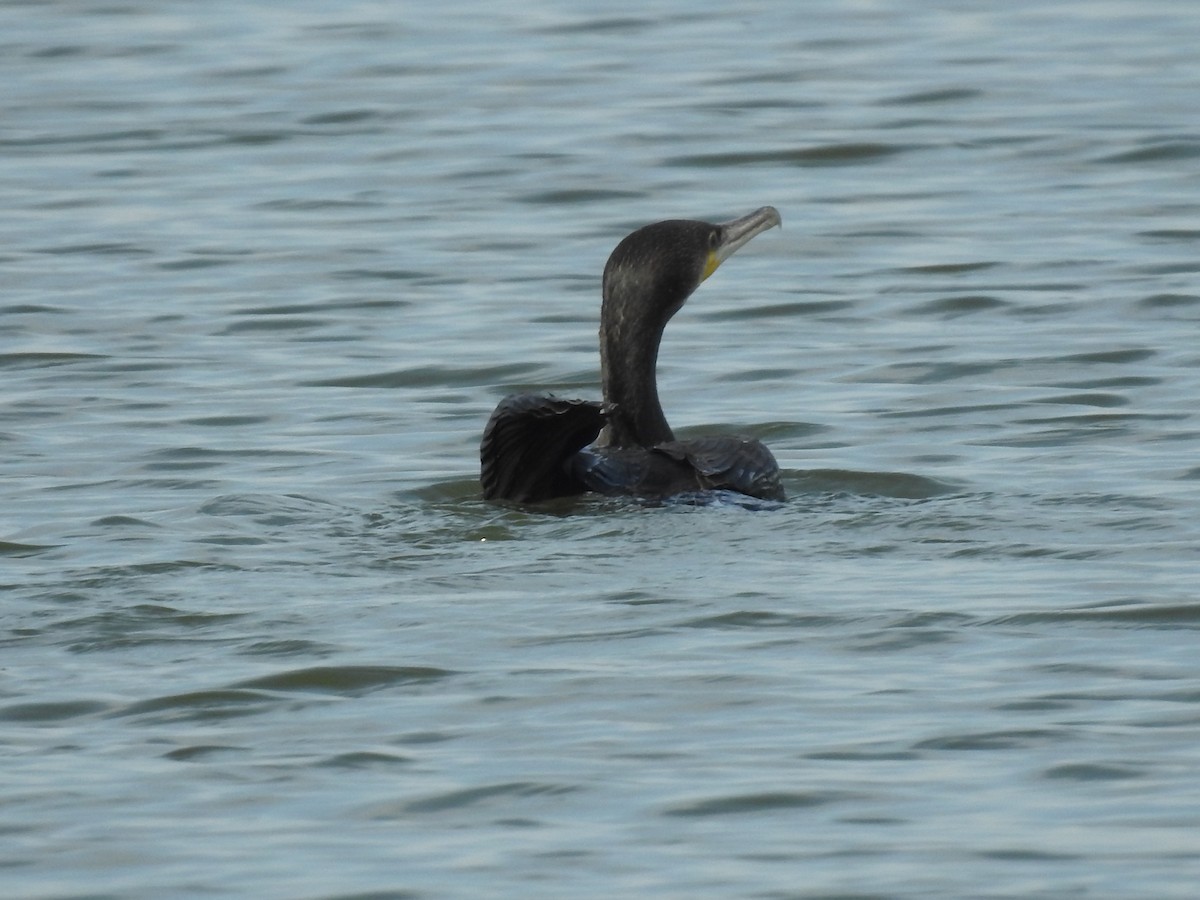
[265,269]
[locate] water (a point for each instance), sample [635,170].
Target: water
[267,269]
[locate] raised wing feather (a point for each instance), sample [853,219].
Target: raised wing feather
[527,442]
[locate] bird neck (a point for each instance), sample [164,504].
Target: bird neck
[628,361]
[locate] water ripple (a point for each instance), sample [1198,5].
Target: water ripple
[826,155]
[748,804]
[344,680]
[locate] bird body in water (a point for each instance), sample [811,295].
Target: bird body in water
[538,446]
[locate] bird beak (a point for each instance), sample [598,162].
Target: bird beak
[736,233]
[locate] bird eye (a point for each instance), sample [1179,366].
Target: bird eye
[714,238]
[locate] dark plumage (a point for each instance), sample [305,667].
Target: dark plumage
[535,446]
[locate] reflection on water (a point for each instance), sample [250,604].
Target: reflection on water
[265,275]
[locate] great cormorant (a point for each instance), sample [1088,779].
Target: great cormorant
[536,446]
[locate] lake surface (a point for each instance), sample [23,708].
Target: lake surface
[267,268]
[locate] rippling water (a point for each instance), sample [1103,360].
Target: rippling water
[266,269]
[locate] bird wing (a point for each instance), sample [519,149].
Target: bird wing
[731,463]
[527,442]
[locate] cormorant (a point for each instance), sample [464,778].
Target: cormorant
[535,446]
